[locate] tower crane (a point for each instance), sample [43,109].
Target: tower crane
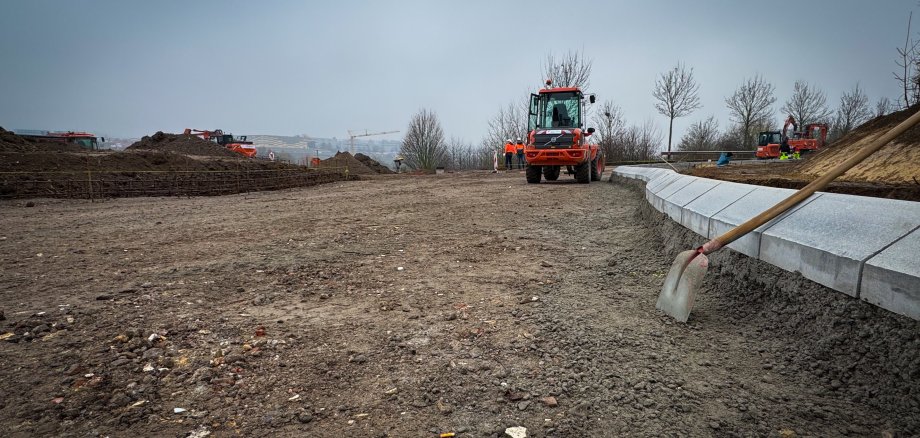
[352,135]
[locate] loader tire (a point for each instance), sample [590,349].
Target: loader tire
[551,173]
[583,173]
[595,172]
[533,174]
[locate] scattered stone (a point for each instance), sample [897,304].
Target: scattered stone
[104,297]
[305,417]
[153,353]
[550,401]
[523,405]
[516,432]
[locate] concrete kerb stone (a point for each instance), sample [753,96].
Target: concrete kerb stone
[746,207]
[673,204]
[889,279]
[888,276]
[676,186]
[697,213]
[828,239]
[657,185]
[661,181]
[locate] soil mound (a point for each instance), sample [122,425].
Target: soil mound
[373,164]
[348,161]
[896,163]
[183,144]
[12,143]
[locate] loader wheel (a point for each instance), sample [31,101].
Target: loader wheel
[551,173]
[596,169]
[533,174]
[583,173]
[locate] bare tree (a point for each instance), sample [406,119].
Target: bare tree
[808,104]
[610,125]
[677,94]
[509,123]
[750,105]
[423,146]
[908,75]
[569,70]
[638,142]
[852,112]
[883,106]
[702,136]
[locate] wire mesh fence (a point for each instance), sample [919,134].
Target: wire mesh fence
[92,184]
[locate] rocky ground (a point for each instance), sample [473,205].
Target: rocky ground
[414,306]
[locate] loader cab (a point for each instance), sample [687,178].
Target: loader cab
[556,108]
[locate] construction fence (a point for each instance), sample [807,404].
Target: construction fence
[115,184]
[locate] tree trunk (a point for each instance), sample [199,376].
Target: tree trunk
[670,131]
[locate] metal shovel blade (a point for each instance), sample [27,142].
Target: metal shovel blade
[680,286]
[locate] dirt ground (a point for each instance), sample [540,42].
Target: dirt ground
[891,172]
[409,307]
[785,175]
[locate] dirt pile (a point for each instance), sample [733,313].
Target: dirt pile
[897,162]
[12,143]
[183,144]
[348,161]
[373,164]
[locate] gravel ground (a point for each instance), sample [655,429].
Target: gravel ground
[413,306]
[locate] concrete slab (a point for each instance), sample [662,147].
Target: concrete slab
[746,207]
[676,186]
[890,279]
[829,238]
[661,181]
[642,173]
[673,205]
[695,215]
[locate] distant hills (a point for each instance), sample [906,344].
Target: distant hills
[300,148]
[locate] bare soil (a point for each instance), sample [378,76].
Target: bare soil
[785,176]
[183,144]
[412,306]
[159,165]
[892,172]
[12,143]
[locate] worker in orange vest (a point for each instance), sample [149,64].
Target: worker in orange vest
[509,153]
[519,149]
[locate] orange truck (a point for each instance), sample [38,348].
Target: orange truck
[82,139]
[556,137]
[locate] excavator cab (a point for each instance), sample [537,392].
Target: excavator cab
[769,137]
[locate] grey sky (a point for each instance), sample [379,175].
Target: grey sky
[130,68]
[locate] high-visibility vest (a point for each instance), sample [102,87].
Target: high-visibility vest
[520,148]
[509,148]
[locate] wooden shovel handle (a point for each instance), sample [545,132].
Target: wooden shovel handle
[808,190]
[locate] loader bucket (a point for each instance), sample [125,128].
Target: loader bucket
[680,286]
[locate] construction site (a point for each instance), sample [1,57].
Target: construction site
[599,257]
[366,306]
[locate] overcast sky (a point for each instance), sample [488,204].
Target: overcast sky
[130,68]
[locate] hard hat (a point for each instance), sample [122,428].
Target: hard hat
[509,140]
[519,139]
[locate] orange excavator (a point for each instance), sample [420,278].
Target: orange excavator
[812,138]
[238,144]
